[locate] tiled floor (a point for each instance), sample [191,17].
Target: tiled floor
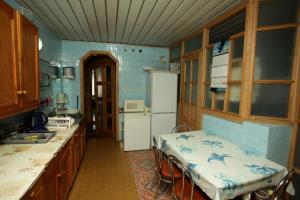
[105,173]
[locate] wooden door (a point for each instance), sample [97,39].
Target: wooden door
[105,97]
[9,83]
[190,92]
[29,70]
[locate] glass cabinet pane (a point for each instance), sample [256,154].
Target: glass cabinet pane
[99,73]
[274,54]
[193,44]
[195,69]
[187,71]
[234,99]
[108,91]
[270,100]
[209,63]
[108,107]
[207,97]
[93,82]
[220,101]
[99,91]
[237,58]
[187,93]
[108,73]
[194,94]
[273,12]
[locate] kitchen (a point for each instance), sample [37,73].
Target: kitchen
[143,38]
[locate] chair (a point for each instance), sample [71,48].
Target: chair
[181,128]
[279,190]
[184,188]
[162,168]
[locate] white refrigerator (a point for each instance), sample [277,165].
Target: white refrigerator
[163,102]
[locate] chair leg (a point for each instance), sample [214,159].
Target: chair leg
[156,193]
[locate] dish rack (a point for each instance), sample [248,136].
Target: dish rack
[60,122]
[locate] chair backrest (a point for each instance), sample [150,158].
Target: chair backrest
[280,189]
[157,155]
[184,172]
[181,128]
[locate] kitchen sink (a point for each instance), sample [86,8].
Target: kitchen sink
[28,138]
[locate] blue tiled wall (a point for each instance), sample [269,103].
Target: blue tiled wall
[132,77]
[263,139]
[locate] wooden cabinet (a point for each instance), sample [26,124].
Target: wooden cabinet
[38,192]
[9,84]
[50,181]
[63,174]
[73,165]
[29,69]
[59,175]
[19,70]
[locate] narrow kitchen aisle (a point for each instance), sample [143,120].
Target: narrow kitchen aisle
[105,173]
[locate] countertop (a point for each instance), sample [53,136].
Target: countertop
[22,164]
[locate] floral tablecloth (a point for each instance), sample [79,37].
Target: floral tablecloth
[221,169]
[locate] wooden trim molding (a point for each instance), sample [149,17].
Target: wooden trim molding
[228,116]
[275,27]
[248,58]
[82,59]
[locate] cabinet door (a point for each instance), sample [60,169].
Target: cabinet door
[72,167]
[77,149]
[29,64]
[38,193]
[9,83]
[83,140]
[50,181]
[63,164]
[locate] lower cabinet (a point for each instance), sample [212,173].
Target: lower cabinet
[50,180]
[59,175]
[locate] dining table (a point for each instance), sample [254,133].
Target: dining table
[223,170]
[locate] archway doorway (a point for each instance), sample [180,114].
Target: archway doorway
[99,93]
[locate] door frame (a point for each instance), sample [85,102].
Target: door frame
[82,82]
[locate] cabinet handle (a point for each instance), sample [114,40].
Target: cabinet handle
[63,172]
[24,92]
[19,92]
[58,175]
[32,195]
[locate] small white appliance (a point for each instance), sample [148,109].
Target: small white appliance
[163,102]
[136,125]
[134,105]
[136,131]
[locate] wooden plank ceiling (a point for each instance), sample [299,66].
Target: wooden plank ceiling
[139,22]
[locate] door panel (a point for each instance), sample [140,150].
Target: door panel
[29,63]
[9,101]
[190,86]
[103,97]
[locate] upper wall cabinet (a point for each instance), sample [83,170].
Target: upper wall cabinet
[29,70]
[19,71]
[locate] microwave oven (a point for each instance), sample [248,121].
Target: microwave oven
[134,106]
